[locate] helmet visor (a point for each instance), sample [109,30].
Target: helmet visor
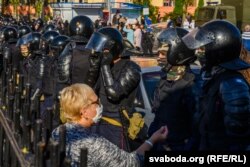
[97,42]
[24,40]
[197,38]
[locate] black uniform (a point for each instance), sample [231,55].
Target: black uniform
[73,65]
[117,82]
[123,79]
[225,104]
[174,106]
[32,67]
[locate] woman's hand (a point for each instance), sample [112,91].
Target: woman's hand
[160,135]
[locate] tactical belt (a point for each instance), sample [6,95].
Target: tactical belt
[115,122]
[136,123]
[112,121]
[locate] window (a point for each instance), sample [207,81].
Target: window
[167,2]
[205,14]
[221,14]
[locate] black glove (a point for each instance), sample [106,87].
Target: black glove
[95,58]
[109,45]
[107,58]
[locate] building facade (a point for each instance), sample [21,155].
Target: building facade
[167,6]
[67,9]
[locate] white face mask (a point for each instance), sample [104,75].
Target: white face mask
[98,116]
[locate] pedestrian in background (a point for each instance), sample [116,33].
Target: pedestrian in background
[137,37]
[130,32]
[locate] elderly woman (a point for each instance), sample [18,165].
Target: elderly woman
[80,108]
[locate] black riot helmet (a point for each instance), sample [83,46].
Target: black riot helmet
[15,26]
[22,30]
[49,35]
[106,38]
[10,33]
[49,27]
[25,39]
[59,42]
[80,29]
[1,33]
[32,38]
[221,41]
[36,41]
[46,38]
[178,53]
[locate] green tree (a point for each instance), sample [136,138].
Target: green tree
[200,4]
[187,3]
[15,3]
[153,10]
[181,6]
[39,7]
[178,9]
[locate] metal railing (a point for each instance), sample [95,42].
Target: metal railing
[25,139]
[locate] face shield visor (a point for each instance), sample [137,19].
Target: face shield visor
[97,42]
[198,38]
[24,40]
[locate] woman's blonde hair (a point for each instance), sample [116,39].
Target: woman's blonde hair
[72,99]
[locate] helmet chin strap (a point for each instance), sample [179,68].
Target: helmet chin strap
[166,67]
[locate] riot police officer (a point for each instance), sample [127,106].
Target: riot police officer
[50,77]
[32,63]
[174,101]
[9,59]
[46,38]
[49,27]
[22,30]
[10,37]
[118,82]
[73,63]
[225,103]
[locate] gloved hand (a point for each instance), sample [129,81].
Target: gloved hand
[107,58]
[95,58]
[109,45]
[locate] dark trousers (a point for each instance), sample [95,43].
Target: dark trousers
[48,103]
[112,133]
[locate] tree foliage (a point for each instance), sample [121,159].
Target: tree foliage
[39,7]
[153,10]
[187,3]
[181,6]
[200,4]
[15,4]
[178,9]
